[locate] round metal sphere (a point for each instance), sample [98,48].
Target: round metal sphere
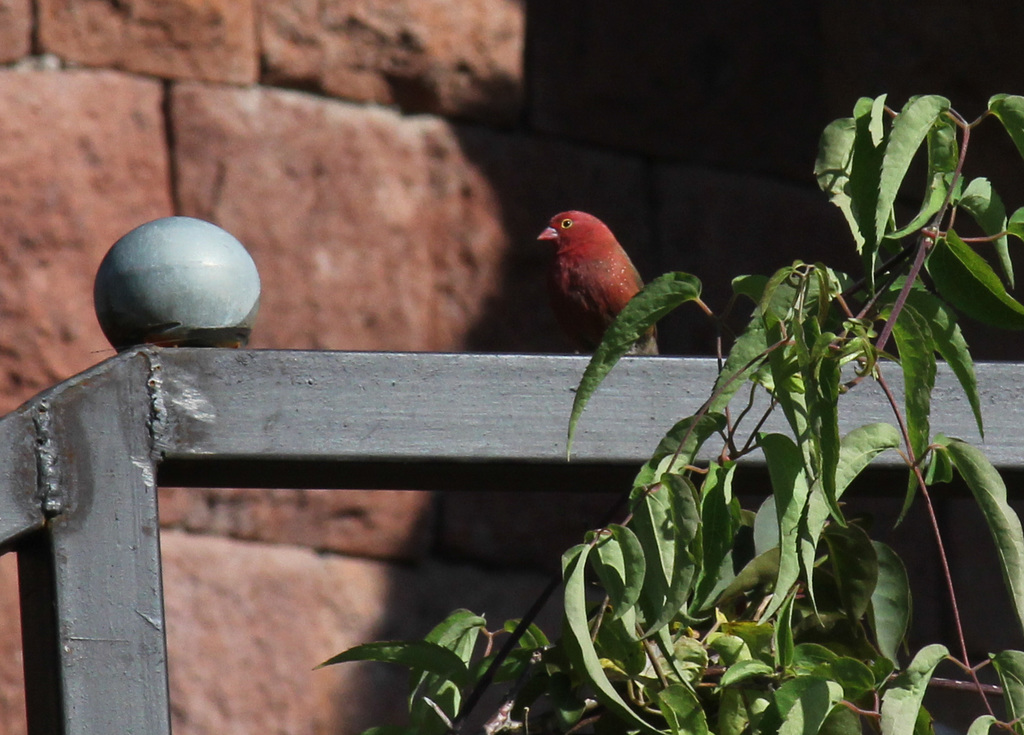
[177,281]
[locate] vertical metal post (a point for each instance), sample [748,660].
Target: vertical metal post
[92,599]
[39,635]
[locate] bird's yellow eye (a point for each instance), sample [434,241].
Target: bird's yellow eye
[566,223]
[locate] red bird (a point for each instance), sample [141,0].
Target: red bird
[591,279]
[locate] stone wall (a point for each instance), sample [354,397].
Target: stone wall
[389,165]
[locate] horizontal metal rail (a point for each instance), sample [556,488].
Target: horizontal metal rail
[80,463]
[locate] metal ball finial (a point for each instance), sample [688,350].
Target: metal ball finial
[177,281]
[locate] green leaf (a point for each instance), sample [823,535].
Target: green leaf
[731,649]
[924,725]
[1009,109]
[1010,667]
[668,457]
[417,655]
[789,485]
[745,357]
[674,543]
[841,721]
[943,155]
[968,282]
[579,646]
[780,295]
[882,669]
[691,657]
[982,725]
[652,524]
[759,572]
[951,345]
[719,523]
[890,601]
[832,169]
[856,567]
[782,635]
[736,708]
[685,513]
[856,451]
[789,390]
[743,670]
[990,493]
[940,466]
[665,521]
[865,178]
[822,382]
[766,526]
[914,340]
[931,205]
[1015,225]
[804,703]
[901,702]
[620,646]
[657,298]
[853,676]
[809,658]
[917,358]
[943,150]
[751,286]
[533,637]
[457,633]
[620,565]
[758,637]
[567,706]
[982,202]
[909,130]
[682,710]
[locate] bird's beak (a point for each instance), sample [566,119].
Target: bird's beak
[548,234]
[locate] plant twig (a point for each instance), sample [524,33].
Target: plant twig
[934,521]
[703,410]
[653,658]
[927,237]
[915,268]
[485,681]
[503,716]
[959,685]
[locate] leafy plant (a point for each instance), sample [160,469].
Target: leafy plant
[694,615]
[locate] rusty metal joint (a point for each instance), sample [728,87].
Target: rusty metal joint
[49,491]
[157,422]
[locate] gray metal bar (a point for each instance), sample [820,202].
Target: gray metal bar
[437,413]
[407,406]
[39,632]
[96,582]
[20,509]
[353,406]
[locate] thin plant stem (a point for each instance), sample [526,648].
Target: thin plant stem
[927,239]
[753,434]
[524,624]
[702,411]
[936,530]
[897,307]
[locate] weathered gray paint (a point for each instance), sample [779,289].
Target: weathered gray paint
[20,509]
[86,453]
[479,408]
[96,568]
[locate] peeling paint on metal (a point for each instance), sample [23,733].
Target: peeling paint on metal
[49,490]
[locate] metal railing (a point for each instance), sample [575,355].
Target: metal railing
[80,465]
